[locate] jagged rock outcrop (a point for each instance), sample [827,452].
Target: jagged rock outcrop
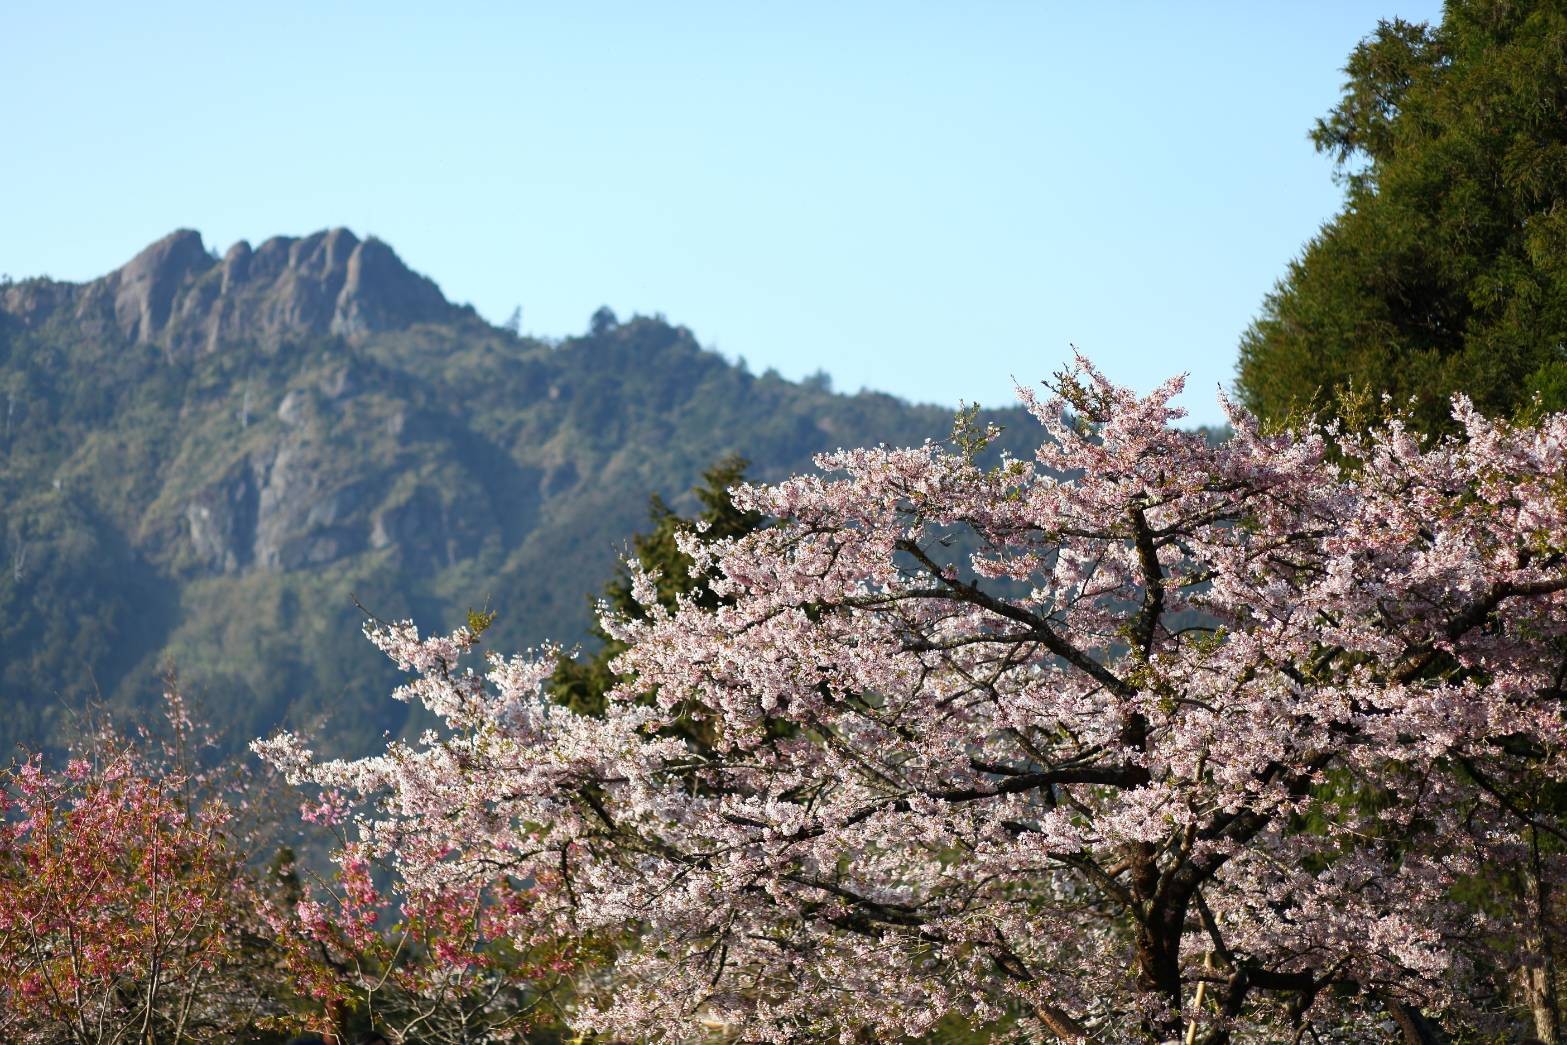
[177,295]
[145,289]
[221,521]
[311,507]
[293,502]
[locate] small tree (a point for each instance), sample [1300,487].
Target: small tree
[127,912]
[1198,741]
[603,321]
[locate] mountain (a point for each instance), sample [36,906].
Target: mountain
[204,460]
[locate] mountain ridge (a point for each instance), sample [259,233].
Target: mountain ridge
[175,293]
[205,460]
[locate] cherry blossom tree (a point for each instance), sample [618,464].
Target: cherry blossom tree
[126,909]
[1143,739]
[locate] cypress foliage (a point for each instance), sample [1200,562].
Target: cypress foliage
[581,684]
[1446,271]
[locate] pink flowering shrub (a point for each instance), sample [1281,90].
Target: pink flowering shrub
[122,907]
[1140,739]
[134,907]
[441,966]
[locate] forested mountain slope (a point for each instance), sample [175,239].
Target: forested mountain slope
[203,459]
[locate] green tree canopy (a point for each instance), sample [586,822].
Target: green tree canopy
[1446,271]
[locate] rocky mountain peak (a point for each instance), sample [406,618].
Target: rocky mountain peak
[146,286]
[176,294]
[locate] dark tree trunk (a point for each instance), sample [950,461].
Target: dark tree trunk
[1417,1030]
[1539,976]
[1159,968]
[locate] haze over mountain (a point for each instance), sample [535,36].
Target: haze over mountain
[203,459]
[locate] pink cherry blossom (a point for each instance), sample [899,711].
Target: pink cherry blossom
[1139,737]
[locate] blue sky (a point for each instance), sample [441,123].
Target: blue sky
[924,199]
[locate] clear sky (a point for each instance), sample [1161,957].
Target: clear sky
[925,199]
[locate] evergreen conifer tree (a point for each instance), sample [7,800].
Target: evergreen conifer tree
[582,683]
[1446,271]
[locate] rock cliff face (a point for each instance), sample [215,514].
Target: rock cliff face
[177,295]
